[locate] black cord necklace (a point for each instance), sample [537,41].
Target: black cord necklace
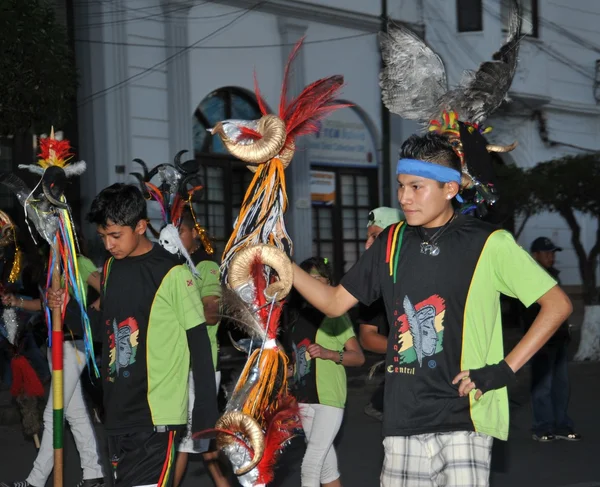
[429,244]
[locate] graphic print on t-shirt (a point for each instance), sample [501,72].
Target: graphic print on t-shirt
[418,334]
[302,360]
[122,344]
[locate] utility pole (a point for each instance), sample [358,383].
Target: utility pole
[385,126]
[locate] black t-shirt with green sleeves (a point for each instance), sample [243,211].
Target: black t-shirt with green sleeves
[149,302]
[444,316]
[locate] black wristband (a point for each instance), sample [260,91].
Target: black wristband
[492,377]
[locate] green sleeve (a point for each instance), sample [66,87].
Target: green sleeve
[344,329]
[515,272]
[180,292]
[210,279]
[86,268]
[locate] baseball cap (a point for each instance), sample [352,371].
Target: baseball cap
[384,216]
[542,244]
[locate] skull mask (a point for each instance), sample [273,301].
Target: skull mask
[170,241]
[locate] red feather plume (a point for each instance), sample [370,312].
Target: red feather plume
[177,210]
[25,380]
[315,102]
[54,152]
[286,72]
[281,422]
[260,284]
[259,98]
[248,133]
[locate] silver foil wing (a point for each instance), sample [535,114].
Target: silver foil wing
[413,78]
[484,90]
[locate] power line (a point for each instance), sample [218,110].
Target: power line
[561,59]
[123,8]
[124,21]
[548,50]
[570,35]
[169,58]
[164,15]
[245,46]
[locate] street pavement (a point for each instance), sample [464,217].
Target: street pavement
[518,462]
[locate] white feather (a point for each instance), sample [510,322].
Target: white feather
[34,168]
[76,169]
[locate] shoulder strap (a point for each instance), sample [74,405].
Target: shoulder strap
[394,244]
[105,273]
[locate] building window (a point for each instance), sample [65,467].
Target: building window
[225,179]
[529,14]
[469,14]
[340,229]
[220,105]
[217,207]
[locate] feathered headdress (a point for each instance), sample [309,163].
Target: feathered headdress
[414,86]
[268,145]
[51,217]
[258,246]
[55,153]
[172,192]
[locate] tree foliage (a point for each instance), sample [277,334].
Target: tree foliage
[516,197]
[37,72]
[570,185]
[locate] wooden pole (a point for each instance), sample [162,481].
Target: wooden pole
[57,378]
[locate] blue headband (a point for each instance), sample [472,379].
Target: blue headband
[429,170]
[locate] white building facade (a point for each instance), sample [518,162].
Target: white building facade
[554,86]
[155,75]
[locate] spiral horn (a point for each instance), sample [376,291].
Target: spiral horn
[273,132]
[53,185]
[241,264]
[501,148]
[238,422]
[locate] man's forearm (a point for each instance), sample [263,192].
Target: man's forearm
[555,309]
[350,358]
[333,301]
[373,341]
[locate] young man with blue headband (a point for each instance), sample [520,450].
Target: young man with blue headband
[440,274]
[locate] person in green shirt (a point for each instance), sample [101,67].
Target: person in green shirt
[76,412]
[209,287]
[322,348]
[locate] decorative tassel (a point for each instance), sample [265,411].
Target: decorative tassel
[206,243]
[15,270]
[272,382]
[261,215]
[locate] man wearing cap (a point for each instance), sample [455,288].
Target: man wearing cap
[374,327]
[549,367]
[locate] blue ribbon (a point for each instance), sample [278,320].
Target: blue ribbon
[429,170]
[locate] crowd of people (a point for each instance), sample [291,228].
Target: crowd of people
[151,322]
[428,285]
